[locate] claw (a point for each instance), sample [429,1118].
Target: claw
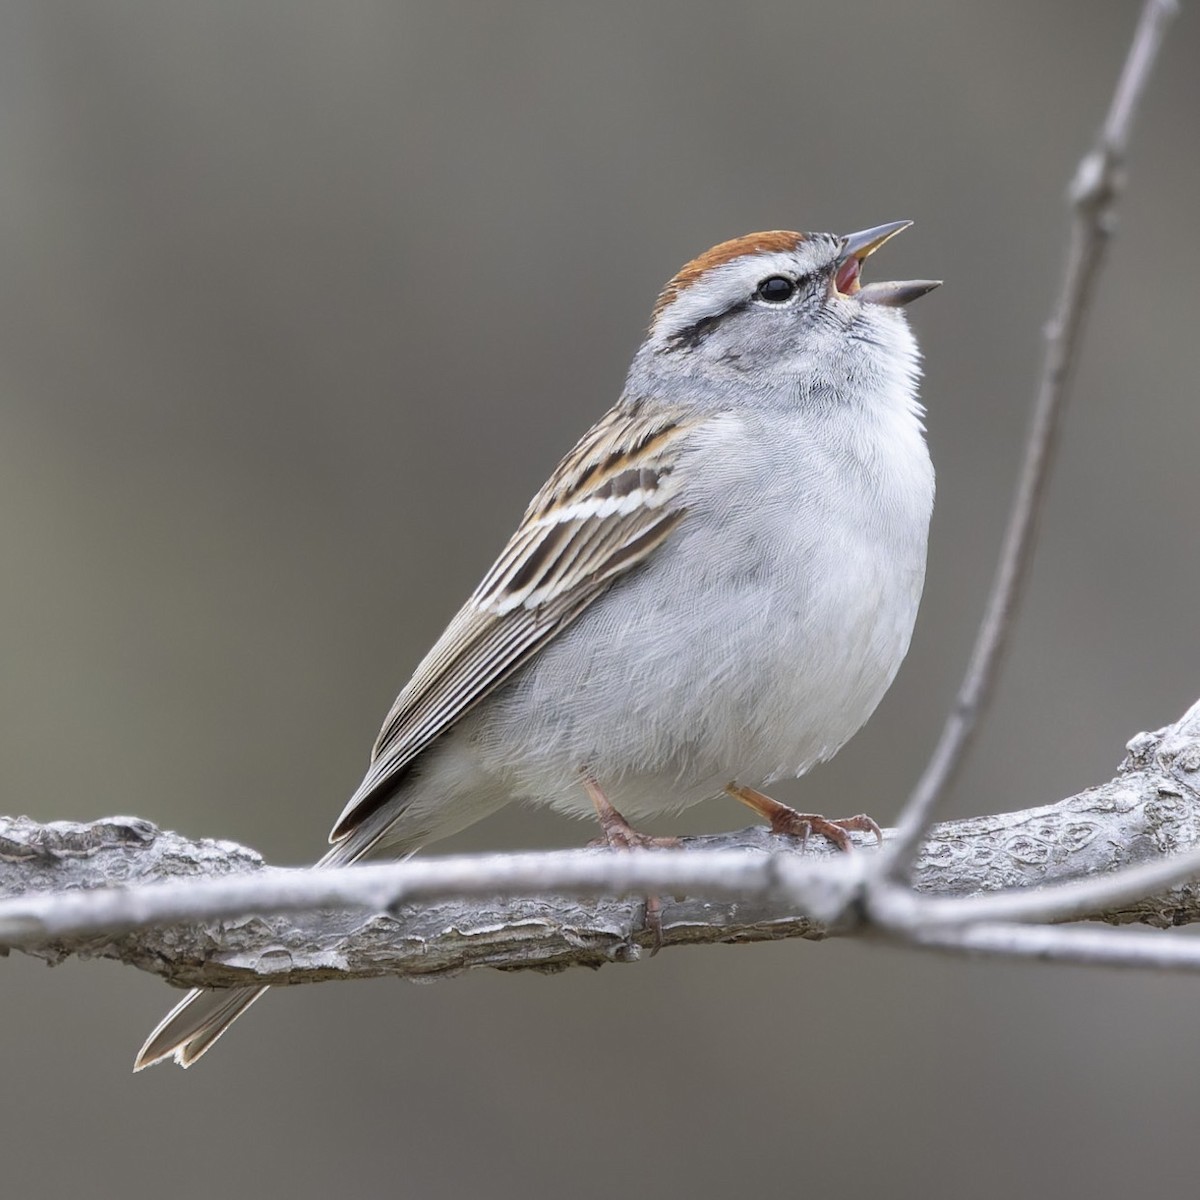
[787,821]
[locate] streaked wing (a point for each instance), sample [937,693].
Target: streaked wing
[609,504]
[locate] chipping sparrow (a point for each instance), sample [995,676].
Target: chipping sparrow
[713,590]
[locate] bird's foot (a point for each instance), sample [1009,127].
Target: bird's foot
[789,822]
[618,834]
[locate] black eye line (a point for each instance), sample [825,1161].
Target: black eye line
[690,336]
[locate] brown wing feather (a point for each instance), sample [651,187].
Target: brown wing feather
[608,505]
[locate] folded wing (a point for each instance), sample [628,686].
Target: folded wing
[611,502]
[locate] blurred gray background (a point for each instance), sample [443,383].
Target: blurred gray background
[299,303]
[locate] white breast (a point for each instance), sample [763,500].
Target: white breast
[751,646]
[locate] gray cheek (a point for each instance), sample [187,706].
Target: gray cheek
[756,342]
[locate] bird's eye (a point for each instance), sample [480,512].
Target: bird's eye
[776,290]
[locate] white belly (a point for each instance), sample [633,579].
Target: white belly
[719,659]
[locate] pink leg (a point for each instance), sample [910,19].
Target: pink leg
[787,820]
[618,834]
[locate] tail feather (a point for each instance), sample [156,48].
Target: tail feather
[204,1014]
[192,1026]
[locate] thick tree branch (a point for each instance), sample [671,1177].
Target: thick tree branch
[1122,852]
[1095,190]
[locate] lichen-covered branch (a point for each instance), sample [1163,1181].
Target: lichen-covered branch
[120,888]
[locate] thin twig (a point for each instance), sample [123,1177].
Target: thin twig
[817,885]
[1094,192]
[1086,947]
[898,906]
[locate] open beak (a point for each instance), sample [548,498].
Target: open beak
[856,249]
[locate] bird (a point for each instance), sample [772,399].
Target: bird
[712,591]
